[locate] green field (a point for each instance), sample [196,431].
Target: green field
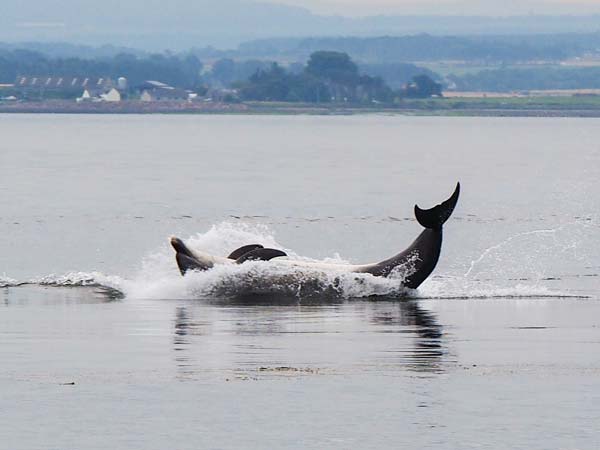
[575,106]
[456,68]
[530,106]
[524,103]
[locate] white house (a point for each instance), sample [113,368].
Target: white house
[100,95]
[112,95]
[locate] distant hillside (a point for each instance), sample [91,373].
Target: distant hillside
[156,25]
[368,50]
[424,47]
[542,78]
[65,50]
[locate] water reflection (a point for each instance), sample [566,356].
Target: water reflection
[182,326]
[245,335]
[180,340]
[408,317]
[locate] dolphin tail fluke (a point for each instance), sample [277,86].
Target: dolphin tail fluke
[435,217]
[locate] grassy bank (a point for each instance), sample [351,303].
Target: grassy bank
[574,106]
[577,106]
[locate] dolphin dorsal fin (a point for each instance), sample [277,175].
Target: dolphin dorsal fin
[243,250]
[260,254]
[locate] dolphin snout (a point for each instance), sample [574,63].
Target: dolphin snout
[179,246]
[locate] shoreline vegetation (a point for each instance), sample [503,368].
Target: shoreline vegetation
[541,106]
[328,83]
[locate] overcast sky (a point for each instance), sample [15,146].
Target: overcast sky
[453,7]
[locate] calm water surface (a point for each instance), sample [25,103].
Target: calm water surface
[104,345]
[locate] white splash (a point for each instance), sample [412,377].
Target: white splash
[461,288]
[6,281]
[159,278]
[505,242]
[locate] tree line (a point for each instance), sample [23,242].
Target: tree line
[426,47]
[326,77]
[329,77]
[177,70]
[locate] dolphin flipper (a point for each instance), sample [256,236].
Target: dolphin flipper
[243,250]
[186,263]
[260,254]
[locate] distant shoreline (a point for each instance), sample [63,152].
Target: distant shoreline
[496,107]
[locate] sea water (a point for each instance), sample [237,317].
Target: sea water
[105,345]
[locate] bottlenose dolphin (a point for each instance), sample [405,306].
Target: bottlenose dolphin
[416,262]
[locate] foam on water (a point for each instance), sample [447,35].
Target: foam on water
[70,279]
[6,281]
[158,277]
[464,288]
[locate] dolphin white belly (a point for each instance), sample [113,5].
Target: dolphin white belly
[213,260]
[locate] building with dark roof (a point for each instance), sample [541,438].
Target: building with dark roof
[42,86]
[61,83]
